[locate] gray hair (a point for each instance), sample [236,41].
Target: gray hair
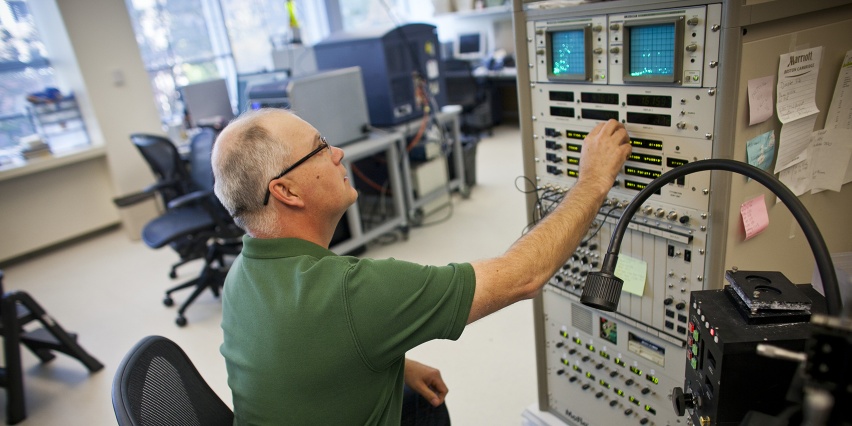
[243,167]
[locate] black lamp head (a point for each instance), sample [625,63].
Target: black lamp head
[602,289]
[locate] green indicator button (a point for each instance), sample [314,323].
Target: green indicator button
[695,335]
[694,363]
[695,350]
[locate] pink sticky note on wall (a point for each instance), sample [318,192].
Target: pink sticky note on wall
[755,217]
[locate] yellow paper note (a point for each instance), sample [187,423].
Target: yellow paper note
[633,272]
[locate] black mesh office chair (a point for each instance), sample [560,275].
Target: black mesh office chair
[464,90]
[17,309]
[198,218]
[156,384]
[172,181]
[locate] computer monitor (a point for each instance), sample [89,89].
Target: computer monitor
[472,45]
[207,103]
[246,81]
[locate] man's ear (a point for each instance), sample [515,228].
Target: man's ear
[285,191]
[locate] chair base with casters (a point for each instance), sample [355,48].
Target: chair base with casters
[16,310]
[212,276]
[157,384]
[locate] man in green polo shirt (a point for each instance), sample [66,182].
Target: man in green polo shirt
[315,338]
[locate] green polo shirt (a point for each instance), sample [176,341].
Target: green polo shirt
[315,338]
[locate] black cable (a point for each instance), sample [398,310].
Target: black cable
[606,215]
[806,222]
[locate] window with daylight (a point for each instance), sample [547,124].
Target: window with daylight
[24,69]
[190,41]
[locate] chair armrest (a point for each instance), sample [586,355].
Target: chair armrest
[192,197]
[131,199]
[144,194]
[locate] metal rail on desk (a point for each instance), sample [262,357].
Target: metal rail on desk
[410,128]
[388,142]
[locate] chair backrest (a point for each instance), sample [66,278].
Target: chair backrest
[157,384]
[165,162]
[200,151]
[201,171]
[461,85]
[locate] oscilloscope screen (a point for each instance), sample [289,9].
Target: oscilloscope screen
[653,52]
[569,54]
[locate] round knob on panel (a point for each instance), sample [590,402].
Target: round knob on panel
[597,51]
[572,379]
[646,391]
[585,358]
[668,301]
[613,403]
[672,215]
[586,386]
[597,28]
[560,344]
[599,395]
[692,21]
[680,305]
[682,401]
[613,374]
[598,367]
[560,372]
[692,47]
[660,213]
[681,125]
[644,421]
[628,411]
[647,210]
[614,49]
[614,27]
[539,52]
[684,219]
[629,382]
[539,32]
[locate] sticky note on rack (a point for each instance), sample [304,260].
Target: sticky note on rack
[633,272]
[755,217]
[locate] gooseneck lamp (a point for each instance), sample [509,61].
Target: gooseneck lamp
[603,288]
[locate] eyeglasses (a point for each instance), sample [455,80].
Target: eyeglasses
[323,145]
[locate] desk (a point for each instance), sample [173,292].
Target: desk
[448,117]
[503,87]
[375,143]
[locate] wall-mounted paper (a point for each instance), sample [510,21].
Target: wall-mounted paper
[760,150]
[829,156]
[755,217]
[797,79]
[760,99]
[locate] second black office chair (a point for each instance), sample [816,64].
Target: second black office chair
[172,181]
[201,219]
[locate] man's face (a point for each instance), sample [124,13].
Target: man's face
[321,180]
